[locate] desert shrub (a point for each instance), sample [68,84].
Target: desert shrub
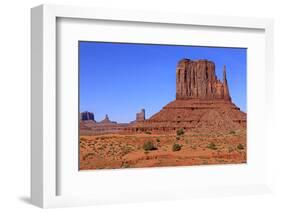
[212,146]
[230,149]
[240,146]
[232,132]
[158,140]
[148,146]
[193,147]
[125,165]
[82,139]
[176,147]
[204,162]
[126,150]
[180,132]
[178,138]
[147,132]
[88,155]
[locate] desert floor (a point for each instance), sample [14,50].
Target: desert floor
[113,151]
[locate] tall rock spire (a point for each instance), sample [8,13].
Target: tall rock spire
[225,85]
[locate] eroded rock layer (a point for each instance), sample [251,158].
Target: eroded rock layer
[195,115]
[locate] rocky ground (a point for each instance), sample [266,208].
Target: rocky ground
[114,151]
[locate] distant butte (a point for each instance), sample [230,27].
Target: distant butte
[107,121]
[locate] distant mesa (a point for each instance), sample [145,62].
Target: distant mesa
[86,116]
[140,116]
[89,126]
[203,103]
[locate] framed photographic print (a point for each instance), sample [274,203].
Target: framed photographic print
[149,106]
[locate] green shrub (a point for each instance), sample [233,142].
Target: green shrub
[176,147]
[88,155]
[240,146]
[82,139]
[232,132]
[148,146]
[149,133]
[230,149]
[126,150]
[125,165]
[180,132]
[193,147]
[212,146]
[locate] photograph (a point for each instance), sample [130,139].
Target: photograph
[161,105]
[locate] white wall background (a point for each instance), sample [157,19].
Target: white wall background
[15,104]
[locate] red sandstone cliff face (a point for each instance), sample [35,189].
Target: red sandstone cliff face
[197,79]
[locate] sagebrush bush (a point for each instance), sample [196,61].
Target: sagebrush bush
[240,146]
[212,146]
[176,147]
[125,165]
[148,146]
[230,149]
[180,132]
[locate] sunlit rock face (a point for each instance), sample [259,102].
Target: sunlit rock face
[198,80]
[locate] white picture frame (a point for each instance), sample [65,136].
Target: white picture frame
[44,150]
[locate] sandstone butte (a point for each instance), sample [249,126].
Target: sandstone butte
[203,103]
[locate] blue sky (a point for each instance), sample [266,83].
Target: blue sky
[121,79]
